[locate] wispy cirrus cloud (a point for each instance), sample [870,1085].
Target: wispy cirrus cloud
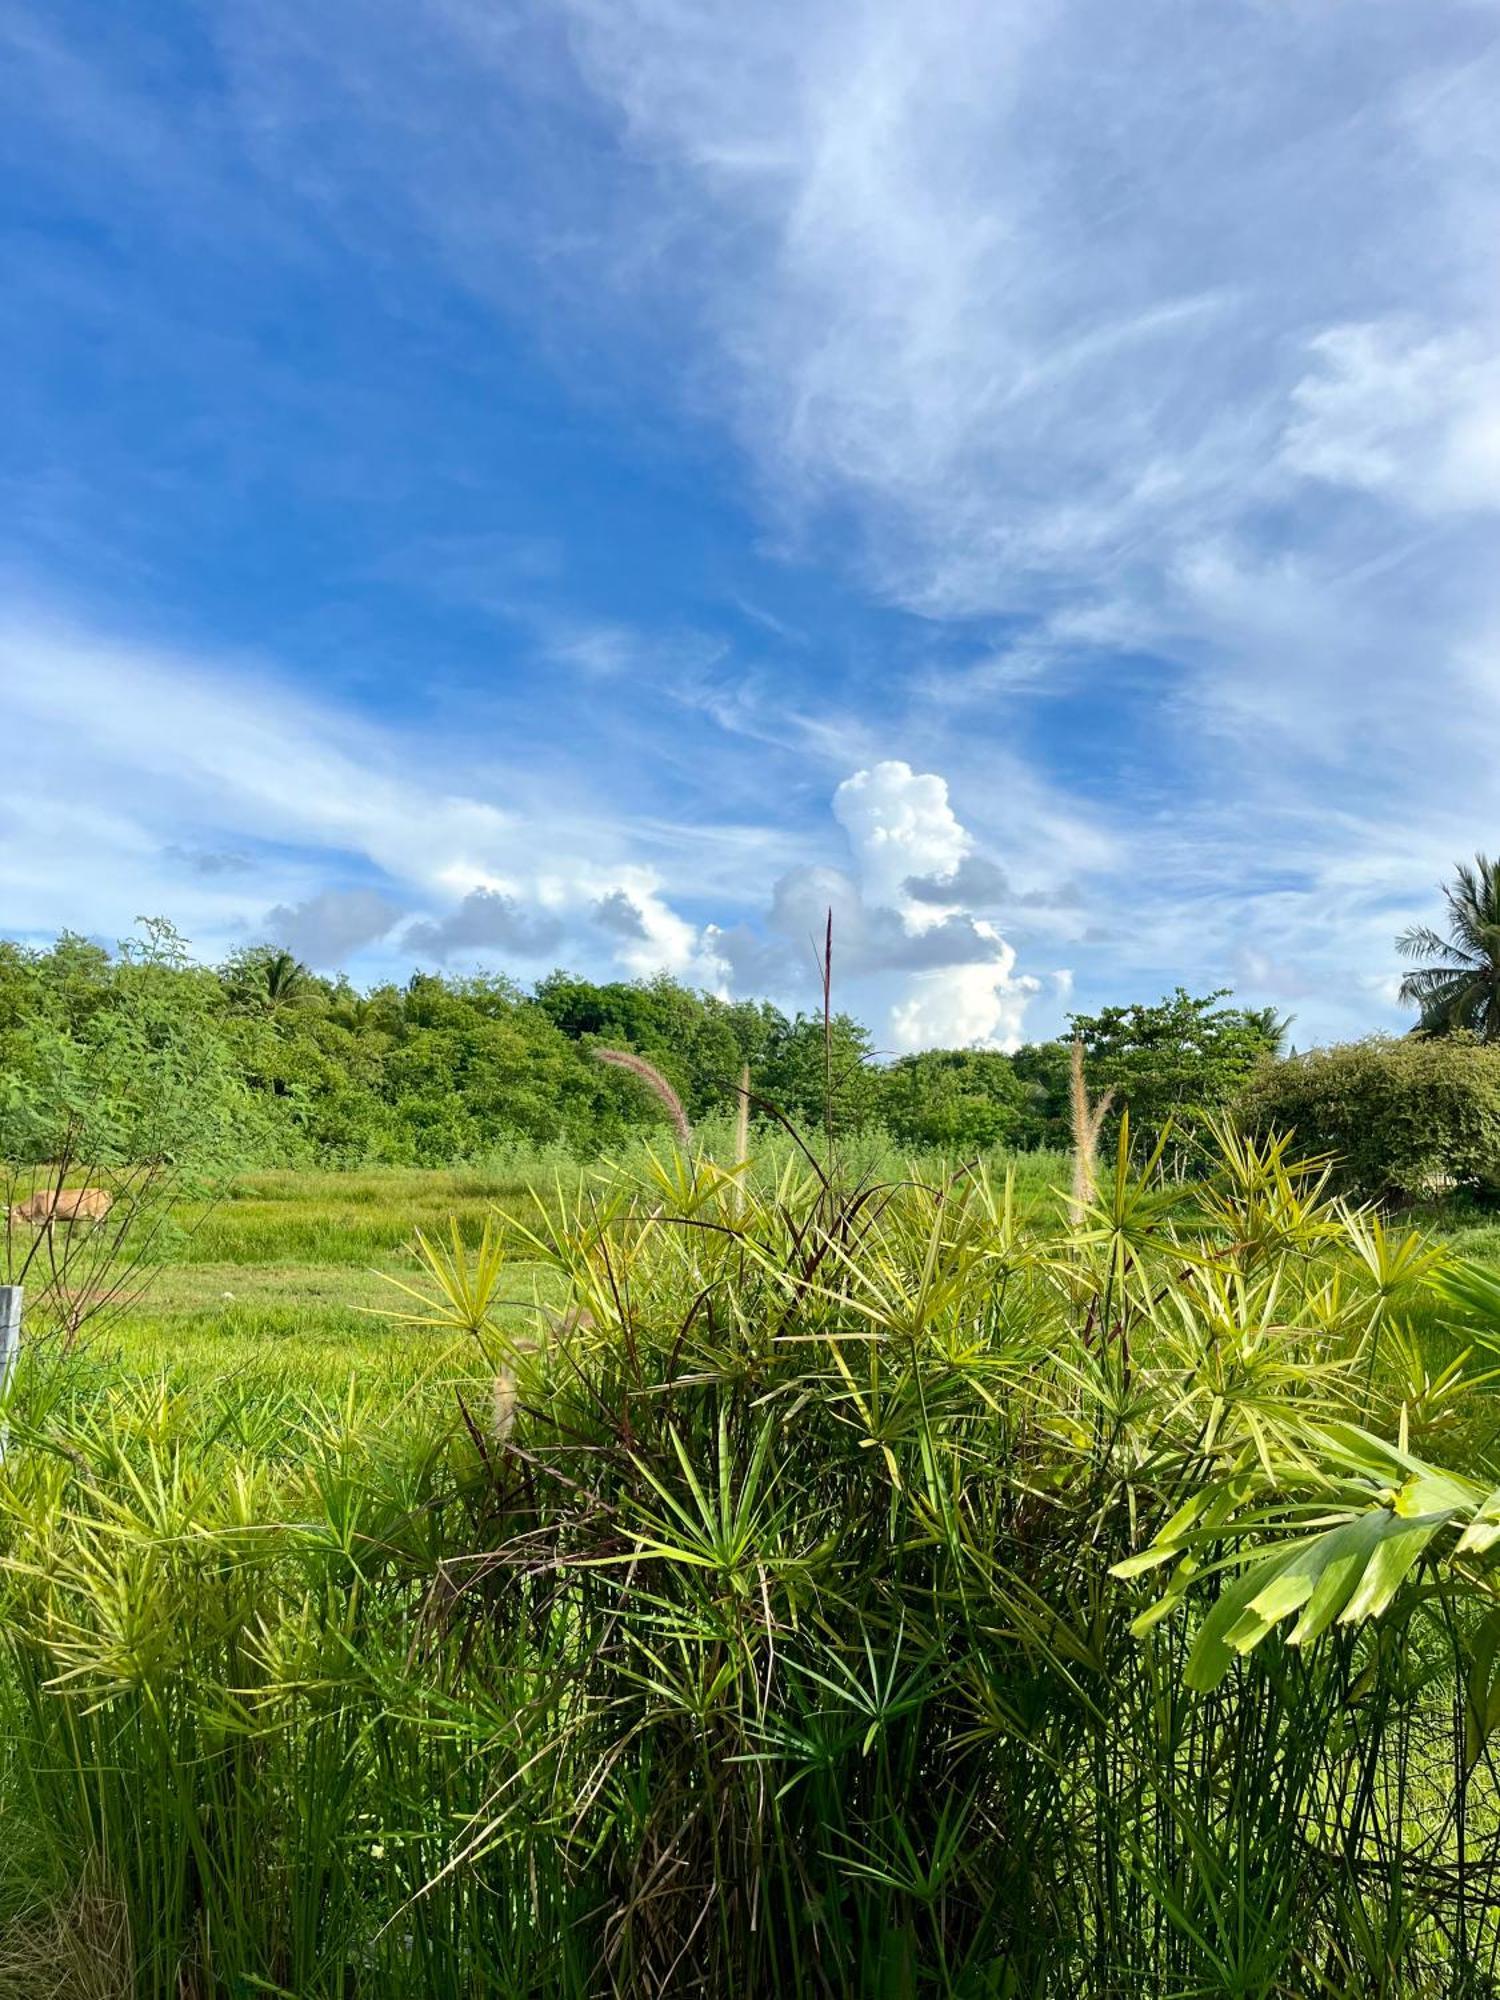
[1102,399]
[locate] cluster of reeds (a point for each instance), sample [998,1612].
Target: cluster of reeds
[861,1588]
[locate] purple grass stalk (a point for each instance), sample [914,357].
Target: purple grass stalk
[657,1084]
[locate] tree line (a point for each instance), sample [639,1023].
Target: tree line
[139,1051]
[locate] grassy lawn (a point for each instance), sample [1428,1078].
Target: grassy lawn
[289,1273]
[289,1276]
[358,1219]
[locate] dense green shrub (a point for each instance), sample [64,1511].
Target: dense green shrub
[826,1591]
[1179,1056]
[1402,1118]
[126,1059]
[961,1100]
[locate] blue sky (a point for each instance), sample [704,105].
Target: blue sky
[599,483]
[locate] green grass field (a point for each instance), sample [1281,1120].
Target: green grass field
[297,1274]
[291,1273]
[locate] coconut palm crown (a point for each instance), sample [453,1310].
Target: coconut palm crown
[1456,984]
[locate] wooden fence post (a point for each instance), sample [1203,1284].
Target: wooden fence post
[10,1342]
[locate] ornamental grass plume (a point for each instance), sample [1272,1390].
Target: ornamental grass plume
[742,1118]
[502,1407]
[1086,1121]
[656,1083]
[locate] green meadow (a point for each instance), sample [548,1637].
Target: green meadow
[299,1271]
[296,1274]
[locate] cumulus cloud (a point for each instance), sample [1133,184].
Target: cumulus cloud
[955,973]
[975,884]
[965,1006]
[900,824]
[650,935]
[870,937]
[968,277]
[326,929]
[487,920]
[963,986]
[617,913]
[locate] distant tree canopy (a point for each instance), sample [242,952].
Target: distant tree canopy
[1175,1058]
[1178,1056]
[261,1061]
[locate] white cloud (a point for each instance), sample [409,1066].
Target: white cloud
[908,315]
[132,750]
[972,883]
[664,940]
[900,825]
[961,987]
[965,1006]
[1411,415]
[327,929]
[231,747]
[973,278]
[974,270]
[487,921]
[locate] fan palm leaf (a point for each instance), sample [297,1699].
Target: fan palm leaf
[1455,983]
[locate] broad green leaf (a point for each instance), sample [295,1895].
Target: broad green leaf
[1398,1549]
[1434,1492]
[1296,1581]
[1483,1530]
[1219,1637]
[1145,1559]
[1346,1552]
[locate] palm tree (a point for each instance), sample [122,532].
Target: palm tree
[1275,1027]
[1458,986]
[269,979]
[286,980]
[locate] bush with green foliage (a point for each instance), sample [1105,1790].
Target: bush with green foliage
[962,1101]
[828,1589]
[1401,1118]
[269,1064]
[1175,1059]
[123,1059]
